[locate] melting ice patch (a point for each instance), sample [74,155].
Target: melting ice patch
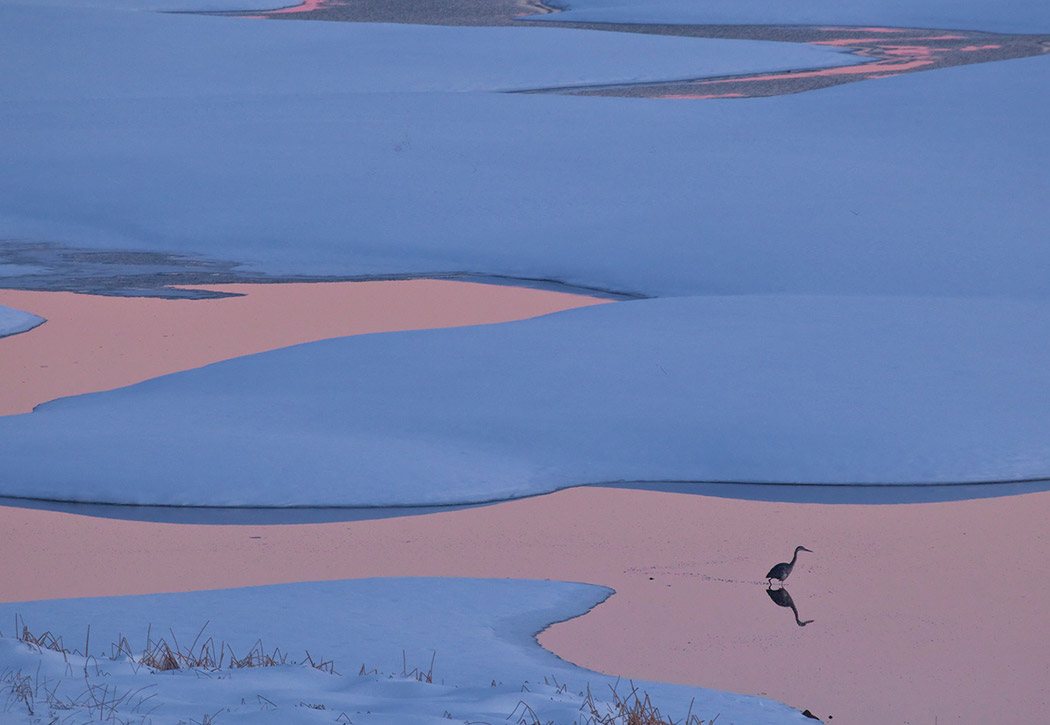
[14,321]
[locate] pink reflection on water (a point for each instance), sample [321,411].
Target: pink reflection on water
[93,342]
[910,51]
[892,51]
[866,69]
[921,611]
[847,42]
[305,7]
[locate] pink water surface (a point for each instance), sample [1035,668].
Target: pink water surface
[92,342]
[922,613]
[849,42]
[892,50]
[305,6]
[866,69]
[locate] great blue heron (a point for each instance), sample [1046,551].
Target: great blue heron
[782,570]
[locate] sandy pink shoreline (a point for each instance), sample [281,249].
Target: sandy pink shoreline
[92,342]
[922,612]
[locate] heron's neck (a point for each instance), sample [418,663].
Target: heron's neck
[794,557]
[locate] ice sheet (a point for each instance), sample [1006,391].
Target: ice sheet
[752,389]
[928,184]
[13,321]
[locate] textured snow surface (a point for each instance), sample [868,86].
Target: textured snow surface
[13,321]
[767,389]
[931,183]
[478,632]
[911,209]
[928,185]
[1003,16]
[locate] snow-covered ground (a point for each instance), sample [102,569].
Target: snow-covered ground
[1005,16]
[479,634]
[14,321]
[885,243]
[754,389]
[930,183]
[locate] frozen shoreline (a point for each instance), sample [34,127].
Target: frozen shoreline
[612,544]
[703,619]
[748,389]
[908,210]
[484,661]
[14,322]
[98,342]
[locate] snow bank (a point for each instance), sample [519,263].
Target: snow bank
[67,54]
[1006,16]
[486,660]
[751,389]
[931,183]
[14,321]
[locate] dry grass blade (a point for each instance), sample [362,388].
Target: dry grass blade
[19,690]
[324,665]
[161,656]
[257,657]
[527,716]
[417,674]
[635,709]
[42,641]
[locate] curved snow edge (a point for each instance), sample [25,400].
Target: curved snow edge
[13,322]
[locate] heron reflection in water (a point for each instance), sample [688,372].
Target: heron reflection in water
[781,598]
[780,595]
